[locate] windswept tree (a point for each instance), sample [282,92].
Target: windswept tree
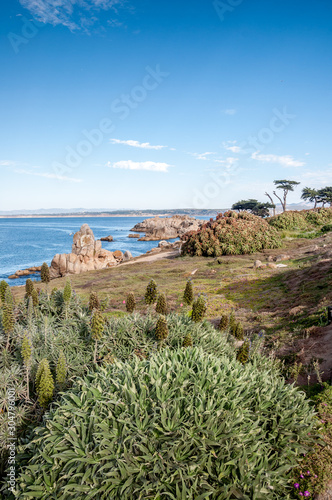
[272,203]
[255,207]
[285,186]
[312,195]
[325,195]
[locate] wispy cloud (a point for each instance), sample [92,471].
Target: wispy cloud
[63,11]
[285,161]
[136,144]
[231,146]
[140,165]
[230,112]
[202,156]
[47,175]
[7,163]
[318,178]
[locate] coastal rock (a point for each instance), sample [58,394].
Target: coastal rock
[164,244]
[134,235]
[87,255]
[127,256]
[107,238]
[158,228]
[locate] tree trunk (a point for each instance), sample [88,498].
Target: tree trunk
[272,202]
[282,203]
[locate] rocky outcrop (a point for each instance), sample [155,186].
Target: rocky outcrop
[25,272]
[107,238]
[133,235]
[158,228]
[86,255]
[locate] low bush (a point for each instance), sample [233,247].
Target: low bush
[302,220]
[183,424]
[231,233]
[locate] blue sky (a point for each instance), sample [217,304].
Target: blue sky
[144,104]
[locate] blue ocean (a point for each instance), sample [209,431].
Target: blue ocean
[28,242]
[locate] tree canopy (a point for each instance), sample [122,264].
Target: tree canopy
[253,206]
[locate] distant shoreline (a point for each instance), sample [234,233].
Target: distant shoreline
[96,216]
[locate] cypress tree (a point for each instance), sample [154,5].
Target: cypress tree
[28,287]
[199,309]
[94,302]
[26,352]
[130,302]
[188,295]
[3,287]
[151,292]
[44,383]
[161,306]
[97,328]
[161,328]
[61,369]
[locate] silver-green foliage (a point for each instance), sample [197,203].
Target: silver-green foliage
[182,425]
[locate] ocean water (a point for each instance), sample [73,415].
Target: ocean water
[30,242]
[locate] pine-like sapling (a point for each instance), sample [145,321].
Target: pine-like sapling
[29,287]
[26,352]
[161,306]
[97,328]
[8,320]
[94,302]
[161,329]
[199,309]
[187,341]
[151,292]
[188,295]
[3,287]
[130,302]
[44,383]
[243,352]
[223,323]
[61,369]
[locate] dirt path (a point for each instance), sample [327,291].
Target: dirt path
[152,257]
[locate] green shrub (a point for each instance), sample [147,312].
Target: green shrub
[130,302]
[223,323]
[243,352]
[183,424]
[44,384]
[161,306]
[3,287]
[151,292]
[302,220]
[94,302]
[35,299]
[29,287]
[231,233]
[161,328]
[45,273]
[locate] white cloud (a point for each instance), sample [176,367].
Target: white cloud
[285,161]
[140,165]
[7,163]
[231,146]
[136,144]
[230,111]
[318,178]
[202,156]
[62,11]
[47,175]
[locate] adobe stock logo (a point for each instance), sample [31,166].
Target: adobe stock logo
[222,7]
[28,31]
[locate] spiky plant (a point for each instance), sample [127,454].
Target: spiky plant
[151,292]
[237,331]
[94,302]
[26,352]
[67,293]
[130,302]
[44,383]
[187,341]
[35,299]
[243,352]
[61,369]
[8,320]
[199,309]
[161,329]
[3,287]
[29,287]
[54,290]
[232,321]
[30,312]
[45,273]
[97,328]
[188,295]
[223,323]
[161,306]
